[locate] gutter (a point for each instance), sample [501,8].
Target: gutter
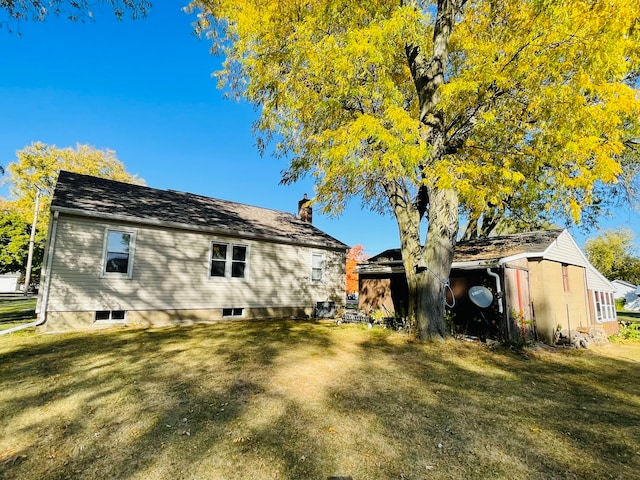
[42,306]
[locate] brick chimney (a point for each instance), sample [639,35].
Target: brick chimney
[305,213]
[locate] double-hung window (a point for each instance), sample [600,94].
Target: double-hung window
[228,260]
[317,267]
[118,253]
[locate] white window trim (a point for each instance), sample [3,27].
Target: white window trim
[110,320]
[604,306]
[228,263]
[105,245]
[233,314]
[323,270]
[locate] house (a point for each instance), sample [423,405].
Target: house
[9,282]
[127,254]
[626,290]
[540,283]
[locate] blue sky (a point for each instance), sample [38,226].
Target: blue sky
[144,89]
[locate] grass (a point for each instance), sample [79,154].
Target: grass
[628,316]
[15,312]
[292,400]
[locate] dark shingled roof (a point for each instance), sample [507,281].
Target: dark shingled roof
[487,249]
[98,197]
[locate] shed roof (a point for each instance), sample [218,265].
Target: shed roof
[489,249]
[98,197]
[557,245]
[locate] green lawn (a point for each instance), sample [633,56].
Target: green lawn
[628,316]
[298,400]
[16,311]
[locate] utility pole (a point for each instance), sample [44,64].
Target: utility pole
[32,241]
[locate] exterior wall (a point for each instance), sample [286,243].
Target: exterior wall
[171,274]
[521,325]
[552,304]
[68,321]
[387,292]
[565,250]
[9,282]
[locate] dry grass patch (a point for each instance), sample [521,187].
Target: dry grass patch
[253,400]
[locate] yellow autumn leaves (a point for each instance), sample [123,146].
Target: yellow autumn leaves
[537,97]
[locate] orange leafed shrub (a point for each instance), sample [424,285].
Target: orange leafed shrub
[355,255]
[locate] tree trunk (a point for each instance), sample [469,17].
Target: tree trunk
[438,257]
[427,267]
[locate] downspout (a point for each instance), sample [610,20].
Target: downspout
[498,289]
[42,314]
[499,298]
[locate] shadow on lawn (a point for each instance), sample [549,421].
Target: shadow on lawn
[139,403]
[12,311]
[300,400]
[499,414]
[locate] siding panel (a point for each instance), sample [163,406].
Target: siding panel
[565,250]
[171,271]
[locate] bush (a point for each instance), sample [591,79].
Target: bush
[629,331]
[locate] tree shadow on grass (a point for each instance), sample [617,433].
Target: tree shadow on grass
[143,403]
[473,413]
[296,400]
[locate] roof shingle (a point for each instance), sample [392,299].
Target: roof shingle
[490,248]
[93,196]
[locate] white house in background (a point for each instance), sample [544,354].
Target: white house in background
[126,254]
[9,282]
[625,290]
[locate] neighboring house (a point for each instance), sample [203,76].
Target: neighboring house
[625,290]
[9,282]
[126,254]
[541,282]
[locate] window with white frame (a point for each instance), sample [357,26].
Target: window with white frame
[228,260]
[110,316]
[118,253]
[317,267]
[605,306]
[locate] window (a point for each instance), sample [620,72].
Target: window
[565,277]
[118,253]
[228,260]
[317,267]
[110,316]
[232,312]
[605,306]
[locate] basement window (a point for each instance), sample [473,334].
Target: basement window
[232,312]
[110,316]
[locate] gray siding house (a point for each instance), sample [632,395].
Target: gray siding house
[119,253]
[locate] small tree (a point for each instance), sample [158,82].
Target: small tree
[355,255]
[36,168]
[614,254]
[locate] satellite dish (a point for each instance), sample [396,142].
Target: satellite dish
[480,296]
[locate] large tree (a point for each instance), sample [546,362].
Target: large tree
[76,10]
[429,109]
[36,169]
